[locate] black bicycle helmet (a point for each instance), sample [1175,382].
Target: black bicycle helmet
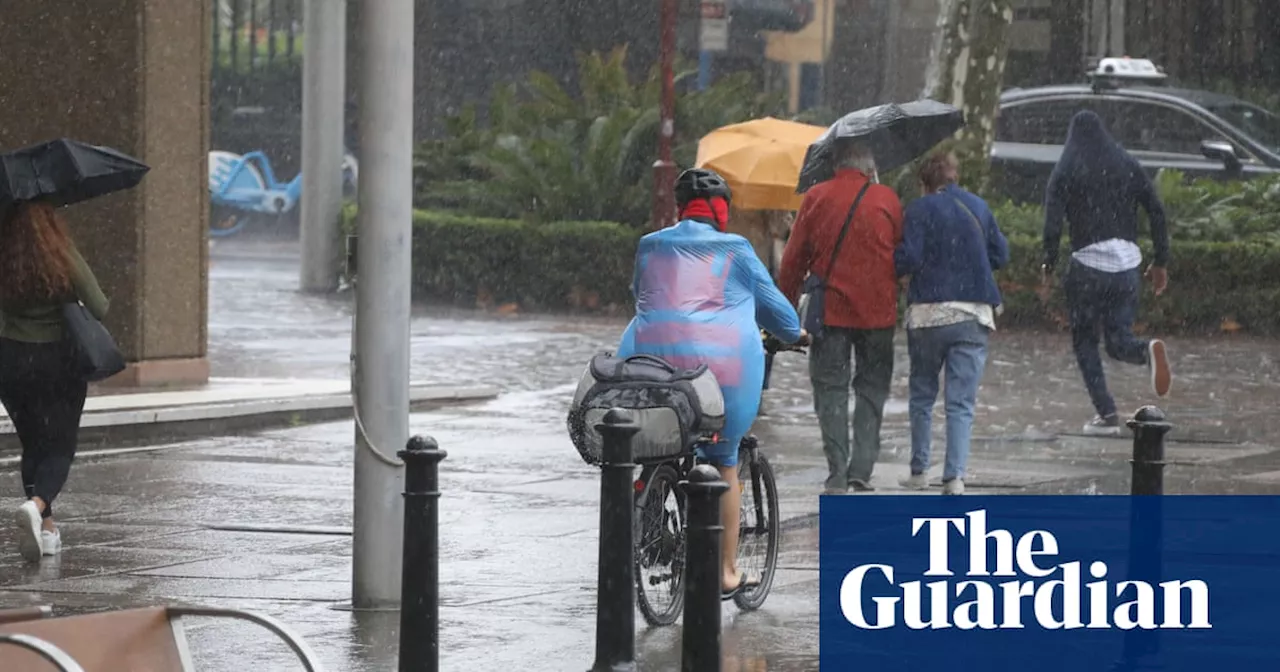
[700,183]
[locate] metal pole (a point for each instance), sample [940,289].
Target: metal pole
[382,299]
[323,100]
[701,638]
[1146,520]
[664,170]
[705,59]
[419,597]
[615,593]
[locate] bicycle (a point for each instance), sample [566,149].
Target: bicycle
[661,522]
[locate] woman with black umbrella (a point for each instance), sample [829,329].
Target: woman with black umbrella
[40,272]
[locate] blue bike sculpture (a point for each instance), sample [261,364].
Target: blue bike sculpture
[243,189]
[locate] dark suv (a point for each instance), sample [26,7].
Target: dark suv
[1200,133]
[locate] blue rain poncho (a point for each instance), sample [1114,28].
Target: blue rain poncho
[701,298]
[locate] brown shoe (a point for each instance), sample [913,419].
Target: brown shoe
[1158,362]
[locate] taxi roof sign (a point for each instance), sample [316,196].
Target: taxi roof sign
[1129,68]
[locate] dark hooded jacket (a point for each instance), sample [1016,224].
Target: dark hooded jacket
[1097,187]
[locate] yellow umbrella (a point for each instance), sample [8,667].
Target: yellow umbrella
[761,160]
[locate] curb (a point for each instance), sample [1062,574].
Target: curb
[109,430]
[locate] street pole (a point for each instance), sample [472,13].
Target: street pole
[381,384]
[323,98]
[664,170]
[705,59]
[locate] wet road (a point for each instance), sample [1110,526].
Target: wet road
[519,514]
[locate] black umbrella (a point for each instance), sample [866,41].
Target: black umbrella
[896,135]
[65,172]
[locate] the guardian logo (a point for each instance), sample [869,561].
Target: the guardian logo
[1033,591]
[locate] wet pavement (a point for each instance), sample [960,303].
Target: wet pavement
[519,515]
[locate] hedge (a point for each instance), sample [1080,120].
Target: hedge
[588,265]
[561,265]
[1210,285]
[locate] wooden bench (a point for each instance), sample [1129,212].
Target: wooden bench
[137,640]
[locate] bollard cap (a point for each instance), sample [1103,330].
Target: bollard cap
[422,448]
[1149,414]
[704,479]
[1150,418]
[618,416]
[618,420]
[704,473]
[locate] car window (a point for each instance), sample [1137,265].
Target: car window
[1258,123]
[1141,126]
[1039,123]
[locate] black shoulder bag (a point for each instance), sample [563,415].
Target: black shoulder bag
[96,355]
[813,303]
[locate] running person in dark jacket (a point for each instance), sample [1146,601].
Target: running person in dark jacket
[1097,187]
[40,270]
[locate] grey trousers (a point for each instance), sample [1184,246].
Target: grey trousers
[829,370]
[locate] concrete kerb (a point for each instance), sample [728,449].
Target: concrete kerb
[113,430]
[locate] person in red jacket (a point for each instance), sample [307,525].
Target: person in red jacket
[861,310]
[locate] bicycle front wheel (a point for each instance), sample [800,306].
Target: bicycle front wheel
[758,532]
[660,549]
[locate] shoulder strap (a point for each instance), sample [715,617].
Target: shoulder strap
[845,229]
[977,222]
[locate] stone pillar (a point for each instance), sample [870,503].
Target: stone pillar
[133,75]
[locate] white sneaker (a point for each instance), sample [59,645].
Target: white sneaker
[27,517]
[1100,426]
[51,542]
[915,482]
[954,486]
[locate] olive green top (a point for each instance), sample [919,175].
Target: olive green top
[43,323]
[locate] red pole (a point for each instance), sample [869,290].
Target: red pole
[664,170]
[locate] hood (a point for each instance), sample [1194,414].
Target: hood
[1090,144]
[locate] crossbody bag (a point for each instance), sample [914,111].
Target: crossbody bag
[999,309]
[813,302]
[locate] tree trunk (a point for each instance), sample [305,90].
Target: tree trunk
[969,57]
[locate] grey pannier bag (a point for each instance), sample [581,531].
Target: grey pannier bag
[673,406]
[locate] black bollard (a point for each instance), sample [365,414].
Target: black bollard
[615,594]
[1149,428]
[700,649]
[1146,523]
[420,570]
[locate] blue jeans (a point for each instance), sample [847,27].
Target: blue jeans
[1106,301]
[962,350]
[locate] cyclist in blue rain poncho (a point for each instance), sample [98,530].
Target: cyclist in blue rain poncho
[700,294]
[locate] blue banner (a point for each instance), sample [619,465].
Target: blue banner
[1042,584]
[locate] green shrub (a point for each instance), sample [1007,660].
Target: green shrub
[1209,283]
[1203,210]
[547,154]
[459,259]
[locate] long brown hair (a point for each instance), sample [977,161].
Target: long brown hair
[35,258]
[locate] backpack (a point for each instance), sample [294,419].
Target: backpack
[673,407]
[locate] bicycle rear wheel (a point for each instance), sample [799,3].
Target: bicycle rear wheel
[660,549]
[758,532]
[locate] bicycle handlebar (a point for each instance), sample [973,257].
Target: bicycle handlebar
[773,346]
